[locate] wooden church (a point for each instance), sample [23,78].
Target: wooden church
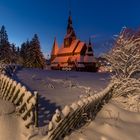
[74,53]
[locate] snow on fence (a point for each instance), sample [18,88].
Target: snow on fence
[75,115]
[24,100]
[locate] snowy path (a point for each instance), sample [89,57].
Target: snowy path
[58,88]
[11,127]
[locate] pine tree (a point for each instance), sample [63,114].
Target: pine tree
[31,54]
[22,50]
[5,53]
[37,59]
[14,55]
[5,48]
[3,35]
[24,53]
[16,58]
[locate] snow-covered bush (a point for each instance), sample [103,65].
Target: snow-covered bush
[130,102]
[125,55]
[125,86]
[125,62]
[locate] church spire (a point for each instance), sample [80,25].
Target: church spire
[69,27]
[70,34]
[54,49]
[89,48]
[70,30]
[89,42]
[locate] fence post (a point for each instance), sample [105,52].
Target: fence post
[36,109]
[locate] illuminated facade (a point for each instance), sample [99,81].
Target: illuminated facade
[73,53]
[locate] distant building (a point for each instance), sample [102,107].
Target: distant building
[73,53]
[103,65]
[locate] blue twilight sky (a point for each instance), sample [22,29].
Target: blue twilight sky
[48,18]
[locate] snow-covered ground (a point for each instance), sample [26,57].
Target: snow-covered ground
[58,88]
[111,123]
[11,126]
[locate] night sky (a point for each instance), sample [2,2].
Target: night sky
[48,18]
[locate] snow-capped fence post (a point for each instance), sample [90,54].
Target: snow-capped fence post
[36,109]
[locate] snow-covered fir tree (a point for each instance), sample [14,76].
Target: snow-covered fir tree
[32,55]
[8,52]
[24,53]
[14,53]
[16,58]
[5,48]
[3,35]
[38,60]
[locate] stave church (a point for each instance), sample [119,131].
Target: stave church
[74,53]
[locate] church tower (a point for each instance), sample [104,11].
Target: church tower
[70,35]
[89,55]
[89,51]
[74,53]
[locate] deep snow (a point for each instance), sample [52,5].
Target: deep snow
[11,125]
[58,88]
[111,123]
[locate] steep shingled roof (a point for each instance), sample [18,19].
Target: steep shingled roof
[64,50]
[55,48]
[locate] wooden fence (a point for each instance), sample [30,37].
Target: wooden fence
[75,115]
[23,99]
[63,122]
